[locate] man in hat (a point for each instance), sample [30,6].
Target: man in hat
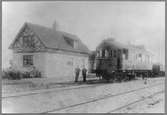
[84,70]
[77,71]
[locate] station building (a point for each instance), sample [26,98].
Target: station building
[54,53]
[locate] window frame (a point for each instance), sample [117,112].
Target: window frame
[115,53]
[28,60]
[111,53]
[127,54]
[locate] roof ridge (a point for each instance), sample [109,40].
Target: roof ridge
[29,23]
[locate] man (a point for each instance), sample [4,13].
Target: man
[84,70]
[33,72]
[77,71]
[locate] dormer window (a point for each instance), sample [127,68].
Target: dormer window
[73,43]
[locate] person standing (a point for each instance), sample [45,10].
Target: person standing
[33,72]
[84,70]
[77,71]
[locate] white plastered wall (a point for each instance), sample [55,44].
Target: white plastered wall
[38,61]
[62,66]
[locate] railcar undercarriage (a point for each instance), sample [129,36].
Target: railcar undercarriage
[122,75]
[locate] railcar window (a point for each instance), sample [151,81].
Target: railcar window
[119,52]
[124,51]
[115,53]
[111,53]
[126,54]
[100,53]
[140,55]
[106,53]
[103,53]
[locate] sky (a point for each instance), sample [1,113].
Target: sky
[140,23]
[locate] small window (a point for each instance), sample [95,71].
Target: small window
[28,42]
[27,60]
[75,44]
[70,41]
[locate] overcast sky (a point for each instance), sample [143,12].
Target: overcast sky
[137,22]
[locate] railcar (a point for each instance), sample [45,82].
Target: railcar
[117,61]
[158,70]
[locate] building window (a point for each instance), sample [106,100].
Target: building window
[27,60]
[28,42]
[71,42]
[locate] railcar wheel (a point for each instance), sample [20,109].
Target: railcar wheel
[106,77]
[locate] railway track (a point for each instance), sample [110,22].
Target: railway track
[102,98]
[135,102]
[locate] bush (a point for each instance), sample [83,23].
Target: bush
[11,75]
[16,75]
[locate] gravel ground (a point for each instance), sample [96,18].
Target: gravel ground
[153,104]
[50,101]
[25,85]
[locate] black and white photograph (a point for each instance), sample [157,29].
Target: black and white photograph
[83,57]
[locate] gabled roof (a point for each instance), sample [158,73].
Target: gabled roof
[56,39]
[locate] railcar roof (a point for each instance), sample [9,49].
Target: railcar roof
[115,44]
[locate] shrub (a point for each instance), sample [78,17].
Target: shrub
[16,75]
